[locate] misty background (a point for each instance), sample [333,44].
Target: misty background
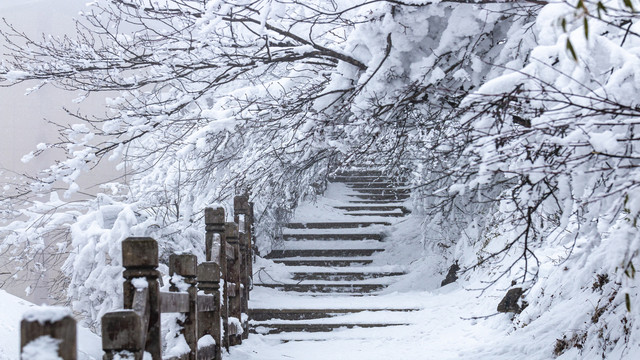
[26,120]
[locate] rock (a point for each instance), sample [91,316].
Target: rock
[452,275]
[510,301]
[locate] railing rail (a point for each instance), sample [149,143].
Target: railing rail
[212,295]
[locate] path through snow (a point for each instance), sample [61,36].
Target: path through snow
[446,327]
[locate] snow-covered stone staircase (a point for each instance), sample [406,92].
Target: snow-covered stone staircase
[327,274]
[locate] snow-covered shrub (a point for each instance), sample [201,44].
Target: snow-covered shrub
[94,265]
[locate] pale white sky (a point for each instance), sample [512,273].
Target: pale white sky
[42,15]
[22,124]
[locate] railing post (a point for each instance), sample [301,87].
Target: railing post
[252,245]
[244,283]
[215,239]
[185,265]
[45,329]
[214,225]
[209,321]
[140,260]
[233,277]
[122,333]
[241,211]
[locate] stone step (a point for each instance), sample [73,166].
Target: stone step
[323,244]
[342,276]
[380,197]
[356,178]
[375,185]
[322,262]
[334,225]
[367,179]
[375,202]
[329,237]
[306,314]
[277,254]
[362,172]
[326,288]
[374,208]
[386,191]
[381,214]
[274,328]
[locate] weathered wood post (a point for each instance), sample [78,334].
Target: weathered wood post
[233,278]
[46,329]
[140,260]
[209,321]
[121,334]
[241,211]
[185,266]
[252,244]
[214,225]
[215,246]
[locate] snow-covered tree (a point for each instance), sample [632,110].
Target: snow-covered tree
[514,121]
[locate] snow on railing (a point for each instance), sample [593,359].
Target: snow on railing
[47,330]
[210,310]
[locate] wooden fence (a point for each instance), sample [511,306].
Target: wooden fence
[213,295]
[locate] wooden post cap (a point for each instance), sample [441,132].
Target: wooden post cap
[139,252]
[122,330]
[208,272]
[183,264]
[214,216]
[231,229]
[241,204]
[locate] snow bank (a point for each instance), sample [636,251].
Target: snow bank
[46,313]
[14,308]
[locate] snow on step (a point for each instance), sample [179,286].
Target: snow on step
[321,278]
[334,320]
[365,179]
[375,202]
[332,288]
[383,191]
[374,281]
[372,230]
[276,328]
[364,316]
[376,185]
[380,197]
[380,214]
[389,208]
[332,236]
[324,261]
[359,172]
[333,225]
[323,269]
[266,298]
[336,245]
[345,343]
[275,254]
[344,276]
[305,314]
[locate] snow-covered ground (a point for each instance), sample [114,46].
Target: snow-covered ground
[451,322]
[439,331]
[442,327]
[12,310]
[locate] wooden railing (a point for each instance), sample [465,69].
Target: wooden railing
[213,295]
